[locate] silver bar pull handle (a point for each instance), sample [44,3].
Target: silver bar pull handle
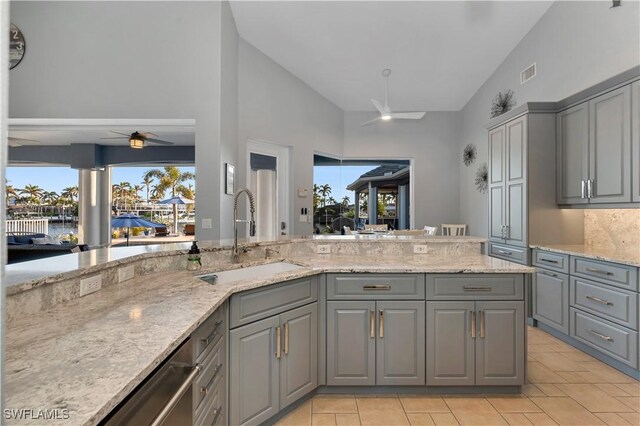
[542,259]
[278,341]
[508,253]
[475,288]
[551,274]
[597,299]
[583,189]
[599,271]
[205,341]
[166,410]
[473,324]
[377,287]
[205,389]
[590,188]
[602,336]
[381,331]
[372,324]
[506,232]
[286,338]
[216,414]
[482,324]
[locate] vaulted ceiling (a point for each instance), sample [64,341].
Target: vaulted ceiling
[440,53]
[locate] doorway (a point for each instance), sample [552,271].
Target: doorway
[268,179]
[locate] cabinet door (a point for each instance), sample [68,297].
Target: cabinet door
[299,361]
[497,183]
[635,140]
[351,344]
[572,127]
[551,299]
[400,345]
[515,185]
[610,146]
[450,345]
[500,343]
[255,375]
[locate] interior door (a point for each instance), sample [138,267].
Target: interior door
[269,180]
[497,183]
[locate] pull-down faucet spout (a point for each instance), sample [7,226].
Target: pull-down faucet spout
[252,222]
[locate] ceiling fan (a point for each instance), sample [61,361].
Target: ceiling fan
[385,112]
[137,139]
[14,142]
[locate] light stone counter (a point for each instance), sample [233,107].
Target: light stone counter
[87,354]
[629,256]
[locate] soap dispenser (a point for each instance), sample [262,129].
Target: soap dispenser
[193,259]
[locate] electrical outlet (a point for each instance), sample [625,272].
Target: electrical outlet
[125,273]
[420,249]
[207,223]
[324,249]
[90,285]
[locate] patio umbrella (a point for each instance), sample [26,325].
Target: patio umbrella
[132,221]
[175,200]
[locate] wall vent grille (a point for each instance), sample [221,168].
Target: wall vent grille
[528,73]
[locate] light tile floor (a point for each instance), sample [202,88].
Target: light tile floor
[566,387]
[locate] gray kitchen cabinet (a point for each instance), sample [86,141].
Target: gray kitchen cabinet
[500,343]
[475,343]
[274,363]
[450,345]
[400,346]
[375,343]
[635,141]
[572,127]
[551,299]
[351,344]
[255,373]
[497,197]
[594,150]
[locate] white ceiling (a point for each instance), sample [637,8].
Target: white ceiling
[440,53]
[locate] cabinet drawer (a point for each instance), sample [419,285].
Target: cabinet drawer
[209,332]
[548,260]
[212,411]
[475,287]
[611,303]
[212,373]
[611,339]
[253,305]
[609,273]
[510,253]
[375,286]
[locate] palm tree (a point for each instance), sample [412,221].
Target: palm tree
[136,190]
[33,191]
[172,179]
[70,192]
[345,201]
[324,190]
[10,191]
[147,180]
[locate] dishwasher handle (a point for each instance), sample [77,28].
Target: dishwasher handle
[166,410]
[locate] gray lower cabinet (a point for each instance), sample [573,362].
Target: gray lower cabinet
[551,299]
[273,363]
[375,343]
[475,343]
[635,141]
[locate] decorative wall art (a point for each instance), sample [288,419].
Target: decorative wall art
[469,154]
[502,103]
[482,178]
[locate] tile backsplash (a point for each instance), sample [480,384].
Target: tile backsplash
[612,228]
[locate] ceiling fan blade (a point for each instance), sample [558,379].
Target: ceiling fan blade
[408,115]
[117,137]
[159,141]
[118,133]
[370,122]
[378,106]
[148,135]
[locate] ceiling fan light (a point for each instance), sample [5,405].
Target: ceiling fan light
[386,117]
[136,143]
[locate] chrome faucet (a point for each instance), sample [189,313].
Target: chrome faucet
[252,222]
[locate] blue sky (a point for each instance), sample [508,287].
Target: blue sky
[58,178]
[338,177]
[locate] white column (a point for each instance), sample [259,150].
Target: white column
[94,207]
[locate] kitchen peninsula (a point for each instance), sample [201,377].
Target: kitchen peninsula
[412,314]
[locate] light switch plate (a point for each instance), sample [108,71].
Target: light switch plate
[324,249]
[125,273]
[420,248]
[207,223]
[90,285]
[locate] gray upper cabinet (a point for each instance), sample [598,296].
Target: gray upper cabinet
[635,141]
[351,344]
[594,150]
[497,183]
[610,147]
[400,347]
[572,127]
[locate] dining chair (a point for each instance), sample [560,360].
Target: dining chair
[347,230]
[454,230]
[430,230]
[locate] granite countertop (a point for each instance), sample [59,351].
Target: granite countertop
[86,355]
[625,256]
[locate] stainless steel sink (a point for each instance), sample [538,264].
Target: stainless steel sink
[252,272]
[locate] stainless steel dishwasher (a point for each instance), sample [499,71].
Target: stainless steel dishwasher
[166,397]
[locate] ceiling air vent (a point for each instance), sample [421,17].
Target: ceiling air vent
[528,73]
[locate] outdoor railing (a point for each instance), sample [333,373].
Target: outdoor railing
[28,226]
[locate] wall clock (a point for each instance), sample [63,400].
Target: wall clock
[17,46]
